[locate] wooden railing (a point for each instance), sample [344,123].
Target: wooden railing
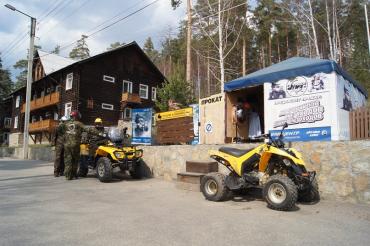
[131,98]
[359,123]
[42,102]
[43,126]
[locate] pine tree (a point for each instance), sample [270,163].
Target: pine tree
[115,45]
[56,50]
[149,50]
[5,82]
[81,50]
[22,65]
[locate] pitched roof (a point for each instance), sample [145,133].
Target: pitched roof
[290,68]
[52,62]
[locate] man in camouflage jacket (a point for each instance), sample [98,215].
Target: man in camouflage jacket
[72,141]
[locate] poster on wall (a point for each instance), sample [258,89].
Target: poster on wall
[348,98]
[195,123]
[303,103]
[142,126]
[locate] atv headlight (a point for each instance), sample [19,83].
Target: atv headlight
[287,162]
[138,153]
[119,154]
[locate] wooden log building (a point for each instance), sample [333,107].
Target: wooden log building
[108,85]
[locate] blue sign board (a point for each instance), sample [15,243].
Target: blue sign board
[141,126]
[304,134]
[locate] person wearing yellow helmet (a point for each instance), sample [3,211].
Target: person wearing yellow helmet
[96,136]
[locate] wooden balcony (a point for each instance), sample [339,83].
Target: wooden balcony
[43,102]
[43,126]
[130,98]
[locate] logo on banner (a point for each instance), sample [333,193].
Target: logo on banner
[209,127]
[297,86]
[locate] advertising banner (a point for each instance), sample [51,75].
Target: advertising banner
[195,123]
[174,114]
[348,98]
[303,103]
[142,126]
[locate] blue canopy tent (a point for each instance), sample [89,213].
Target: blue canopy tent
[290,68]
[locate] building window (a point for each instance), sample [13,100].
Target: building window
[107,106]
[69,81]
[127,86]
[16,122]
[143,91]
[154,93]
[127,113]
[90,103]
[108,78]
[17,101]
[7,122]
[67,109]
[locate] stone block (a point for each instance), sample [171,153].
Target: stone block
[201,167]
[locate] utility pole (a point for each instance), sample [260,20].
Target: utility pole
[29,81]
[188,43]
[367,27]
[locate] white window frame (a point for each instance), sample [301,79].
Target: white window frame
[109,78]
[125,112]
[67,109]
[9,120]
[154,93]
[15,122]
[17,101]
[69,81]
[129,86]
[146,91]
[107,106]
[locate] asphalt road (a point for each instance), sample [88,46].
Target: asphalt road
[38,209]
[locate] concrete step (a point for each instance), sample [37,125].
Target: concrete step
[201,166]
[189,177]
[188,186]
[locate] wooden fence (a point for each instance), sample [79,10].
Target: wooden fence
[359,123]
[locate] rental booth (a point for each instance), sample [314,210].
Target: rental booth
[313,96]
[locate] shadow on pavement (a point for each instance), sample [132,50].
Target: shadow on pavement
[11,165]
[27,177]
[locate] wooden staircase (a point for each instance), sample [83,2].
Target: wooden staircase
[195,170]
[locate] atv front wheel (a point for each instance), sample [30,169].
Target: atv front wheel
[213,187]
[280,192]
[138,171]
[310,195]
[104,169]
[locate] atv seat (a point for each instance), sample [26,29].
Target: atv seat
[233,151]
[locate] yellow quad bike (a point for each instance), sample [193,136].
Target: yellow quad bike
[112,155]
[279,171]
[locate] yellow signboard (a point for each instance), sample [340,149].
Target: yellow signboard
[169,115]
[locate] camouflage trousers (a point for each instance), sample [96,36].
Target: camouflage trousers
[59,159]
[71,159]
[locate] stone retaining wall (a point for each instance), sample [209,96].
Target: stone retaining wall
[343,167]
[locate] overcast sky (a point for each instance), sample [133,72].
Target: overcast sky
[72,18]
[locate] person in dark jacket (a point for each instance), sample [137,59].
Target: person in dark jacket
[59,148]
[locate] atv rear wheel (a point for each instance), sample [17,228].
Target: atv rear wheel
[280,192]
[311,194]
[138,171]
[104,169]
[213,187]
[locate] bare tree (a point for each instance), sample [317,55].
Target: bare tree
[223,27]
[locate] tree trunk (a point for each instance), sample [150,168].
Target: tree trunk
[339,43]
[244,58]
[208,77]
[270,50]
[329,33]
[188,44]
[297,44]
[278,47]
[314,31]
[287,42]
[221,46]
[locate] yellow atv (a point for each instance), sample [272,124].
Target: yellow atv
[279,171]
[112,155]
